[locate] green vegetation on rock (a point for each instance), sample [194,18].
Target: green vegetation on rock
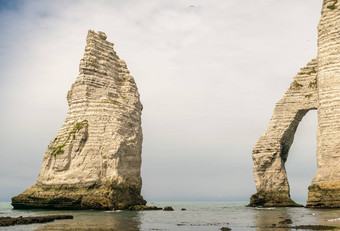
[313,84]
[272,199]
[295,85]
[324,195]
[332,7]
[76,128]
[308,96]
[313,71]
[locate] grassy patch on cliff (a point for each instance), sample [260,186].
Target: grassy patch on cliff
[76,128]
[332,7]
[295,85]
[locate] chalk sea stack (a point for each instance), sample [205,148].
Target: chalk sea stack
[315,87]
[94,162]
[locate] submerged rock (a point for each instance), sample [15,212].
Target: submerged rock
[315,227]
[286,221]
[225,229]
[9,221]
[315,87]
[168,208]
[94,161]
[143,208]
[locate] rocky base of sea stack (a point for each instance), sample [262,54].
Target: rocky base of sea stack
[272,199]
[100,198]
[324,195]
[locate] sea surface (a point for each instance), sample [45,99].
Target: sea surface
[197,216]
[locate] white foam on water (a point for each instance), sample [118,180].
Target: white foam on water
[113,211]
[335,219]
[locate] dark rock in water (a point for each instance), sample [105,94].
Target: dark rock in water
[286,221]
[143,208]
[316,227]
[8,221]
[183,209]
[225,229]
[168,208]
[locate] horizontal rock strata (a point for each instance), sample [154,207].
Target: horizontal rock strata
[325,188]
[94,161]
[324,194]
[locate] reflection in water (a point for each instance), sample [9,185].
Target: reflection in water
[270,217]
[97,220]
[267,218]
[327,216]
[199,216]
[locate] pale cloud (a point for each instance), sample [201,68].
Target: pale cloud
[209,77]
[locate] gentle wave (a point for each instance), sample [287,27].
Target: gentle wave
[335,219]
[264,208]
[113,211]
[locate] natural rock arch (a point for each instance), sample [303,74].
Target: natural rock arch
[316,86]
[271,151]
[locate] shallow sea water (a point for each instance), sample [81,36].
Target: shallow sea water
[198,216]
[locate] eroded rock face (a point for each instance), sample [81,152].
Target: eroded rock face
[317,86]
[325,188]
[94,161]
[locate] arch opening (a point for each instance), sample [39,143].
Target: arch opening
[301,164]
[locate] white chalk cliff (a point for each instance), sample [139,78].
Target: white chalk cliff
[315,87]
[95,160]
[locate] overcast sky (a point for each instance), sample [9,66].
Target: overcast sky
[209,74]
